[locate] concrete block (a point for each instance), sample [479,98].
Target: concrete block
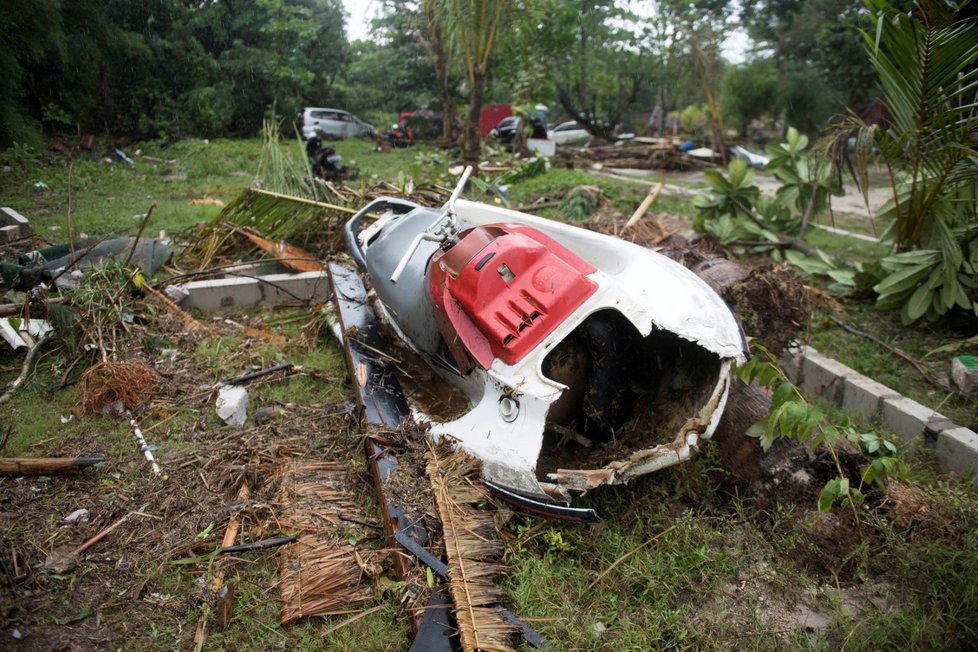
[957,452]
[262,292]
[10,216]
[9,234]
[964,371]
[864,396]
[937,423]
[905,417]
[21,227]
[822,376]
[790,362]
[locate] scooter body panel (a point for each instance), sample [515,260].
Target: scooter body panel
[442,303]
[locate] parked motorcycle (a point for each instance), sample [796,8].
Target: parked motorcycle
[326,164]
[398,136]
[586,360]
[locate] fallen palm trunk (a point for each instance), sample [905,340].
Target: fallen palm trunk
[45,465]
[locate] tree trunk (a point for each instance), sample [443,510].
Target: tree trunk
[741,455]
[472,145]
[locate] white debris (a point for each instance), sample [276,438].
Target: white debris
[176,292]
[232,405]
[77,516]
[21,332]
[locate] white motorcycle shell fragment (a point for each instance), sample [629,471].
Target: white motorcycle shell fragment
[510,403]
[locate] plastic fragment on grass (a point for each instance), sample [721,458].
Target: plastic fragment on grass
[23,332]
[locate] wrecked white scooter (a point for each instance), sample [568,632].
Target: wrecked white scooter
[586,360]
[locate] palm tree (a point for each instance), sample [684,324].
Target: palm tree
[473,27]
[925,61]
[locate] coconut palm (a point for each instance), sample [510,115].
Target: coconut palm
[473,27]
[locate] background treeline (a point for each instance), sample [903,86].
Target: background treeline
[152,68]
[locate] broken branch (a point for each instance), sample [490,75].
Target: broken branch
[45,465]
[900,353]
[644,206]
[98,537]
[139,233]
[273,542]
[258,374]
[25,370]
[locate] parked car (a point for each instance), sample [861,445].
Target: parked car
[505,131]
[568,132]
[334,123]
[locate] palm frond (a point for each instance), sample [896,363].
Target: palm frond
[473,549]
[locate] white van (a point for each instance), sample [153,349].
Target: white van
[333,122]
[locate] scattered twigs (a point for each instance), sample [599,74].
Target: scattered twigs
[351,620]
[189,322]
[240,380]
[61,560]
[45,465]
[916,364]
[230,534]
[144,447]
[139,233]
[25,370]
[627,555]
[644,206]
[273,542]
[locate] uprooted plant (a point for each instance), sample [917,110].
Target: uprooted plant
[792,416]
[734,210]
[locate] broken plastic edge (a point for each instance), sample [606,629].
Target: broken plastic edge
[540,508]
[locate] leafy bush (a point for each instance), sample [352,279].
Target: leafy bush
[750,91]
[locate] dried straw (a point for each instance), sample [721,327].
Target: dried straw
[321,572]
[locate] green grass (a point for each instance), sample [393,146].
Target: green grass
[113,197]
[722,574]
[873,360]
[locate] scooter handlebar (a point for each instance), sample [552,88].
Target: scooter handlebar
[352,226]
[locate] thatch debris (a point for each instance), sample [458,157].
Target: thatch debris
[322,572]
[473,549]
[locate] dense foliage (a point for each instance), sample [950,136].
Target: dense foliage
[172,68]
[163,66]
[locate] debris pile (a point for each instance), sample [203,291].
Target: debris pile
[637,154]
